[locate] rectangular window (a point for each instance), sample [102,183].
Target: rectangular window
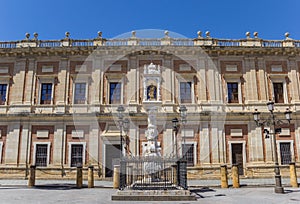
[285,152]
[80,93]
[115,93]
[76,155]
[188,153]
[278,92]
[3,88]
[41,155]
[233,92]
[46,93]
[186,92]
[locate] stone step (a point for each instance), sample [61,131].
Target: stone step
[154,195]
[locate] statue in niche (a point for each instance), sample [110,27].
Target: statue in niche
[127,142]
[151,92]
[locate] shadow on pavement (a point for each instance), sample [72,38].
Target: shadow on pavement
[291,191]
[8,188]
[199,192]
[58,186]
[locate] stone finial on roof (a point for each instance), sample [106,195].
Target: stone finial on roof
[255,34]
[199,33]
[99,34]
[287,36]
[247,34]
[166,34]
[67,34]
[207,33]
[35,35]
[133,34]
[27,36]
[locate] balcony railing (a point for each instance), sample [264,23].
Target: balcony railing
[166,41]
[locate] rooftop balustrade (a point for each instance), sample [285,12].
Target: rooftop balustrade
[165,41]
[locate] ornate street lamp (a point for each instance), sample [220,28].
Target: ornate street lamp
[120,111]
[183,115]
[175,130]
[270,105]
[288,115]
[272,122]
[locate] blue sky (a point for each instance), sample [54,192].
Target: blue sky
[224,19]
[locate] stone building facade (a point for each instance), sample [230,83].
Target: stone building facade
[59,101]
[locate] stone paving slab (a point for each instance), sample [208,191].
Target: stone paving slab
[243,182]
[23,182]
[24,195]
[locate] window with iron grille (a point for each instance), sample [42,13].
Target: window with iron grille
[186,92]
[46,93]
[278,92]
[80,91]
[3,88]
[285,152]
[114,93]
[41,155]
[76,155]
[188,153]
[233,92]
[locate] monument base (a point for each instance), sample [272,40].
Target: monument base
[154,195]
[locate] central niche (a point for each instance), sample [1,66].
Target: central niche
[151,82]
[151,92]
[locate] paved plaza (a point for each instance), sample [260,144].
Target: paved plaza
[64,191]
[68,194]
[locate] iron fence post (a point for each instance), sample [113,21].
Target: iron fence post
[122,174]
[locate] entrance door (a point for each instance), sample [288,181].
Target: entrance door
[112,155]
[237,156]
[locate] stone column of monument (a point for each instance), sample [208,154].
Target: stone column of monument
[151,103]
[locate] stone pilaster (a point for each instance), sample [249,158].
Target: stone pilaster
[62,86]
[132,88]
[93,146]
[294,81]
[297,138]
[12,141]
[215,144]
[214,80]
[202,80]
[94,92]
[29,82]
[167,141]
[24,143]
[250,80]
[255,144]
[134,140]
[263,83]
[16,91]
[58,145]
[167,83]
[204,144]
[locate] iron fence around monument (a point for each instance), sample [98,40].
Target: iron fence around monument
[153,173]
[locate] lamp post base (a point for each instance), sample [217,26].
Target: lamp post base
[278,184]
[279,189]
